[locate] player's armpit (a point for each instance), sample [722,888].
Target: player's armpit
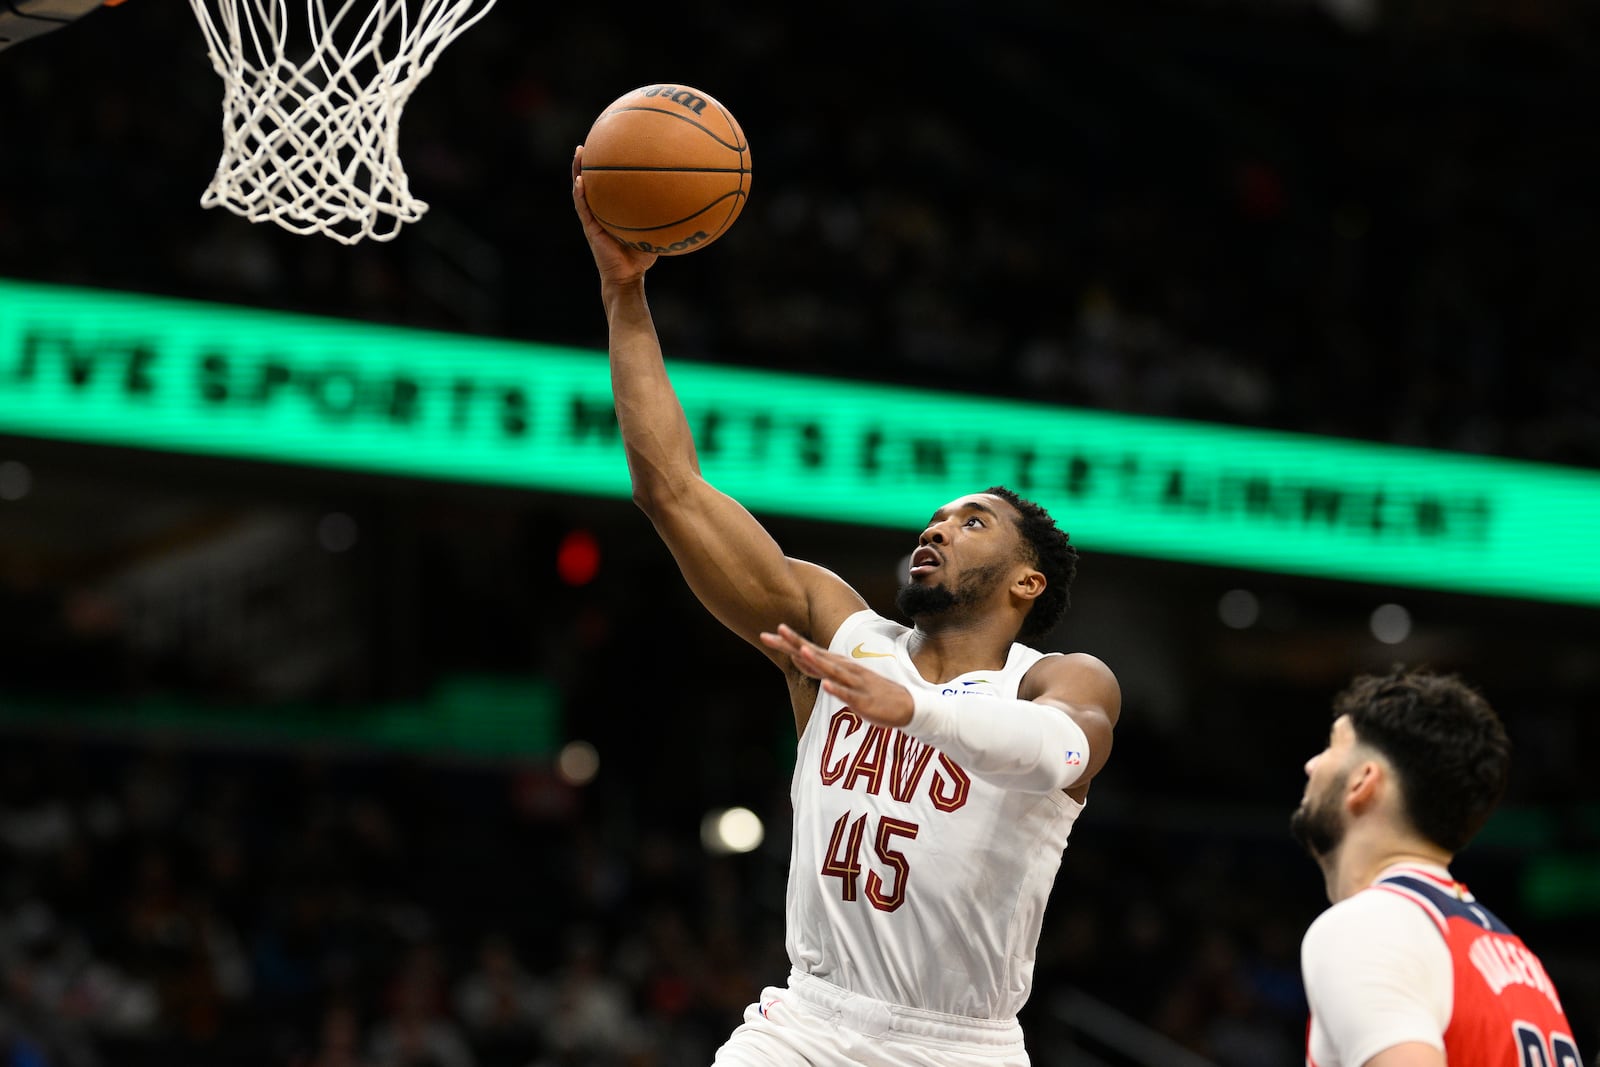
[1410,1054]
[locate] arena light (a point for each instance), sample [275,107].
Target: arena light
[731,830]
[578,763]
[129,370]
[1239,609]
[1390,623]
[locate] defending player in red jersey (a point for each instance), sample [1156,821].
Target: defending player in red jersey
[1407,969]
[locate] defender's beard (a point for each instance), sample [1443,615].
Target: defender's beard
[1317,826]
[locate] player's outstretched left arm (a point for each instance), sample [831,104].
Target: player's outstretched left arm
[1056,735]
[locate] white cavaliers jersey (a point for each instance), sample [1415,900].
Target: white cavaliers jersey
[910,880]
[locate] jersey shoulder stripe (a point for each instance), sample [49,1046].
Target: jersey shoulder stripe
[1443,903]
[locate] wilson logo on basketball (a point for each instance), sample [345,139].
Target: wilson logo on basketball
[676,246]
[684,97]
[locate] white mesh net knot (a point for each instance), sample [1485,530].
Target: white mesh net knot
[311,109]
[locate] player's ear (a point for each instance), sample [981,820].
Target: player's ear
[1362,788]
[1028,584]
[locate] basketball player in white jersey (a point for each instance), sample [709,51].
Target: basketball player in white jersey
[940,768]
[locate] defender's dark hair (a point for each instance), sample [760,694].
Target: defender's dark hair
[1051,553]
[1446,743]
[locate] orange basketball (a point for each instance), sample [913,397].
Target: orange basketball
[666,169]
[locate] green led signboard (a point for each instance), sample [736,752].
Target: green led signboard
[482,716]
[122,369]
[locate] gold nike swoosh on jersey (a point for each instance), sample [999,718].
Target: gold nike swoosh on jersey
[861,653]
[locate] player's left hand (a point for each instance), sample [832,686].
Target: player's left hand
[868,693]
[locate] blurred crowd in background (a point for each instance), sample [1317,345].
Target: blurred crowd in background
[171,906]
[1348,217]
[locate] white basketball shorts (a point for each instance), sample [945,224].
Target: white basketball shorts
[813,1023]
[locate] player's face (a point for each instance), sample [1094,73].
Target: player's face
[969,549]
[1318,823]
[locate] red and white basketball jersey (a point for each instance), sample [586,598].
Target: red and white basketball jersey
[910,880]
[1500,1008]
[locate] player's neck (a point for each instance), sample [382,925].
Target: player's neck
[947,648]
[1364,856]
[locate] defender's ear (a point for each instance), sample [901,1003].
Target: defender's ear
[1364,785]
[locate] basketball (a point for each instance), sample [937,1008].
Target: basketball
[666,169]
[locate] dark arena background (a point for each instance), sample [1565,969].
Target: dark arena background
[387,761]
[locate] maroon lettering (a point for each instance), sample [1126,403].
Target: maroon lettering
[843,724]
[890,899]
[843,860]
[868,763]
[903,779]
[952,794]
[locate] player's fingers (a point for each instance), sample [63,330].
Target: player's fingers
[831,664]
[794,650]
[801,643]
[580,199]
[857,698]
[815,661]
[789,633]
[581,203]
[810,670]
[780,641]
[788,639]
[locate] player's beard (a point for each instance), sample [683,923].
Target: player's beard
[1316,823]
[922,601]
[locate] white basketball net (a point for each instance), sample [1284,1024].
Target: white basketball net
[311,109]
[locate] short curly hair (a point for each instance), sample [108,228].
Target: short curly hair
[1448,747]
[1051,553]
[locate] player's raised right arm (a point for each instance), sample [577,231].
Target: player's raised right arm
[730,561]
